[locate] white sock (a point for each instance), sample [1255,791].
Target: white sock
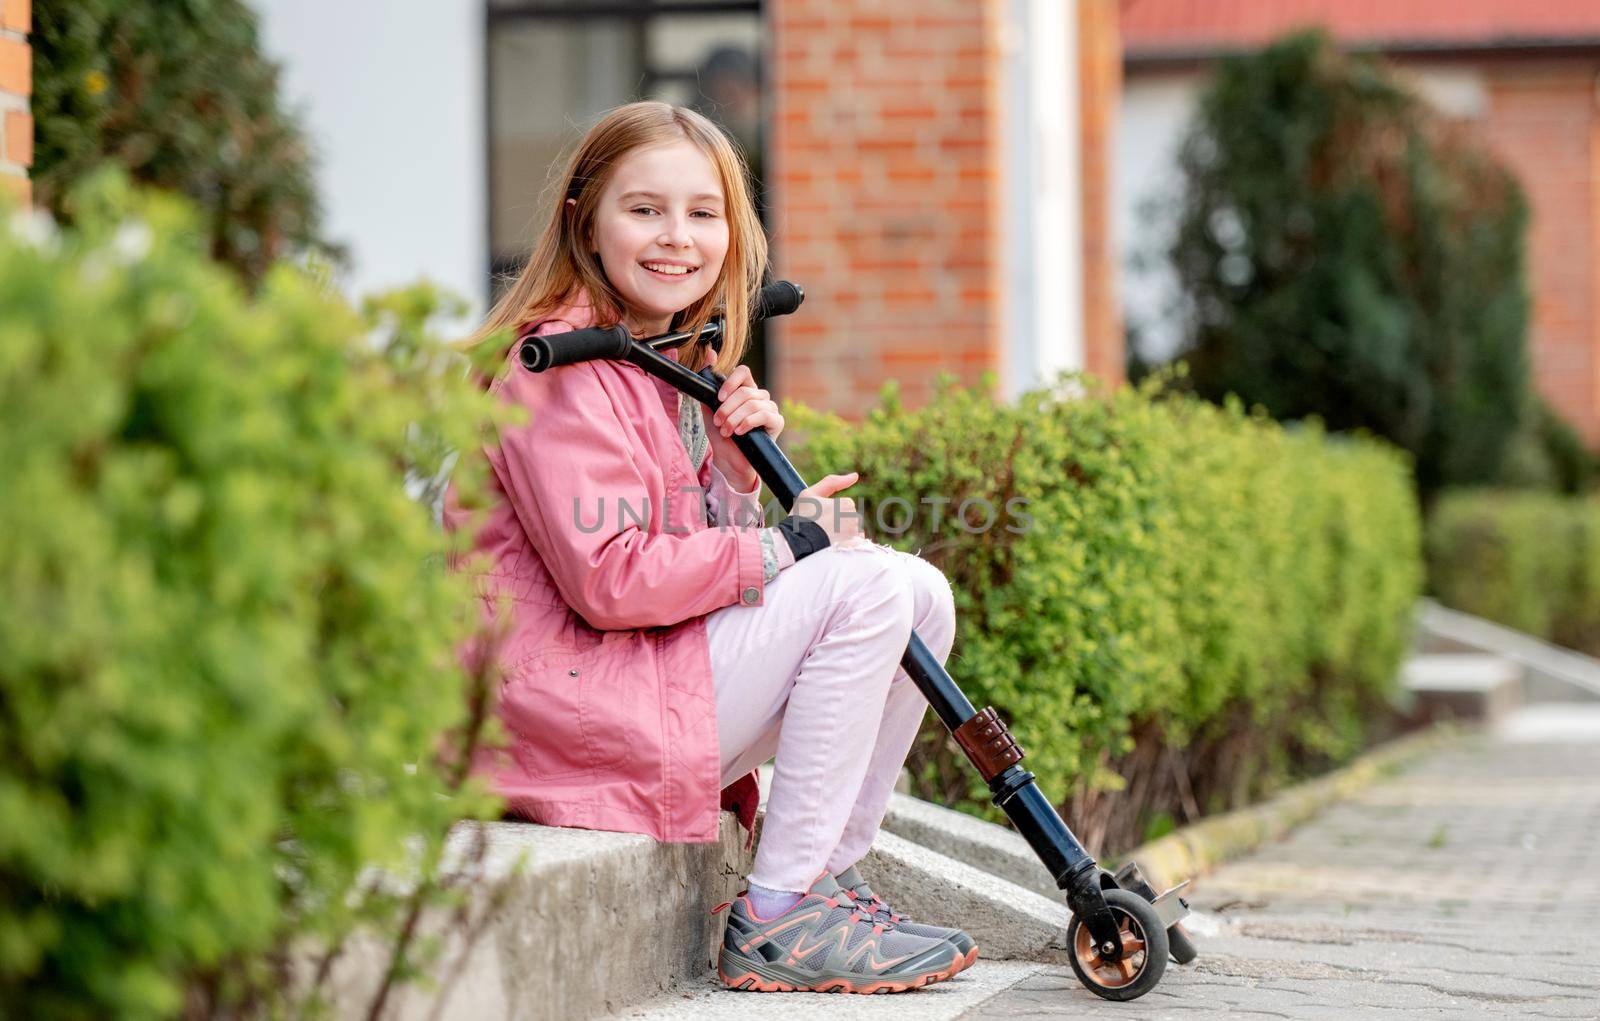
[769,904]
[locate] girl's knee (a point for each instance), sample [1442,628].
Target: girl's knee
[933,587]
[934,605]
[871,564]
[934,599]
[873,577]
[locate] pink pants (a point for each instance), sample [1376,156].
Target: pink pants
[813,676]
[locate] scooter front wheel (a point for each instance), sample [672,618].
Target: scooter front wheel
[1144,950]
[1130,877]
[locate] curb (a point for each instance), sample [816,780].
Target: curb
[549,904]
[1201,846]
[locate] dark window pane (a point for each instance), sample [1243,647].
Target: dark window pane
[554,67]
[548,80]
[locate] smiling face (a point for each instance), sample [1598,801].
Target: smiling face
[662,232]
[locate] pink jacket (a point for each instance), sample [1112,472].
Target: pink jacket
[607,696]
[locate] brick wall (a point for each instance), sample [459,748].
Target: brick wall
[16,85]
[1542,121]
[885,152]
[1099,89]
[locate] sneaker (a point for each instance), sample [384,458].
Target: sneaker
[966,949]
[826,944]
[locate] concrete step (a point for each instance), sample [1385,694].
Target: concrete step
[1553,673]
[1008,922]
[997,850]
[1552,723]
[1472,686]
[575,924]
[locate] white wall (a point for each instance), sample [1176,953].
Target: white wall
[1043,265]
[1151,121]
[391,93]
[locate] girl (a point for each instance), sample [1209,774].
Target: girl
[663,645]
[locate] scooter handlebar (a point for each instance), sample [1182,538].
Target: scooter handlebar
[779,298]
[538,353]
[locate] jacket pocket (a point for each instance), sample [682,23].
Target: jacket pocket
[564,718]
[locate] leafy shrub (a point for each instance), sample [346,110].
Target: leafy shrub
[1343,253]
[226,654]
[1530,561]
[179,96]
[1203,601]
[1547,453]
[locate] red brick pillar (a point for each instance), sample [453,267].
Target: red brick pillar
[1099,86]
[885,177]
[16,85]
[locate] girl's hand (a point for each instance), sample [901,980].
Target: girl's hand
[836,514]
[745,406]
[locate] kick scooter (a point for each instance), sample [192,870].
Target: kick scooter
[1121,930]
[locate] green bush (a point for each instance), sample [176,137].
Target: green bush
[226,651]
[1203,603]
[1547,453]
[1343,253]
[179,96]
[1530,561]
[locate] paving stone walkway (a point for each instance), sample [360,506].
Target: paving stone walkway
[1466,887]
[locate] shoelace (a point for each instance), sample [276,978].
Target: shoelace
[878,907]
[856,915]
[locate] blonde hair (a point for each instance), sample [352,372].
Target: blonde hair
[563,265]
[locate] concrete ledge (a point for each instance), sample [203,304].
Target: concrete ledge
[1008,922]
[1199,847]
[575,923]
[1476,686]
[997,850]
[1554,674]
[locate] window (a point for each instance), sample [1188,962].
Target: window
[554,66]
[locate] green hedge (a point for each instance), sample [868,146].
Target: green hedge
[1530,561]
[226,644]
[1204,601]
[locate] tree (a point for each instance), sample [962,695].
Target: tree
[178,94]
[1345,253]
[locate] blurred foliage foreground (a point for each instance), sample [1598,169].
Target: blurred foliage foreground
[227,680]
[1192,605]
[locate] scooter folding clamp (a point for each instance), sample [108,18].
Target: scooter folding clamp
[988,744]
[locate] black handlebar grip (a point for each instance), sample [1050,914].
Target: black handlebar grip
[778,298]
[540,353]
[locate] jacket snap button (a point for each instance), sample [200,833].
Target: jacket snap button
[573,672]
[751,594]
